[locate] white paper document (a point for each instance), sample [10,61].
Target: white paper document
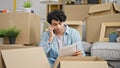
[68,50]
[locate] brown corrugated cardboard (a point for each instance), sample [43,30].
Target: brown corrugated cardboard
[117,7]
[76,12]
[28,23]
[4,47]
[34,56]
[94,25]
[80,62]
[102,9]
[25,58]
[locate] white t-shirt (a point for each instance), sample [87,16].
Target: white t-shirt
[60,41]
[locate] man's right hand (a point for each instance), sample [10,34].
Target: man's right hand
[51,28]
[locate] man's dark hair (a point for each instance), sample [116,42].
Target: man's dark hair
[57,15]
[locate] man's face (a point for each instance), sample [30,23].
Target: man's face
[57,25]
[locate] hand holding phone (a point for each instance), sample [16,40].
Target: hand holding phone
[51,30]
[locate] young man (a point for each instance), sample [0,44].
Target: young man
[59,35]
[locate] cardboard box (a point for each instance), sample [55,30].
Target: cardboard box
[28,23]
[4,47]
[80,62]
[103,9]
[76,12]
[93,25]
[25,58]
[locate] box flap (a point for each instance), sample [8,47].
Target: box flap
[83,64]
[8,46]
[117,7]
[71,58]
[100,8]
[13,46]
[25,58]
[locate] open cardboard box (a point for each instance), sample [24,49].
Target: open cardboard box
[6,47]
[23,57]
[80,62]
[107,8]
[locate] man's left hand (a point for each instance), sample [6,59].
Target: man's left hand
[78,53]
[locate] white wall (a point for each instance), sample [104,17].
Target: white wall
[39,9]
[6,4]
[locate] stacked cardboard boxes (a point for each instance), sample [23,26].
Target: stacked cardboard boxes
[92,16]
[108,12]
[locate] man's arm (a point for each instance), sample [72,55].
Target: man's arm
[76,38]
[45,43]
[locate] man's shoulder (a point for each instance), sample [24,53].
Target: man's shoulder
[45,33]
[73,30]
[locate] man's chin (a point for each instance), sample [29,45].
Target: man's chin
[57,32]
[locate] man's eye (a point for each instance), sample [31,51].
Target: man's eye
[55,24]
[59,23]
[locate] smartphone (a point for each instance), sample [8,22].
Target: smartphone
[54,31]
